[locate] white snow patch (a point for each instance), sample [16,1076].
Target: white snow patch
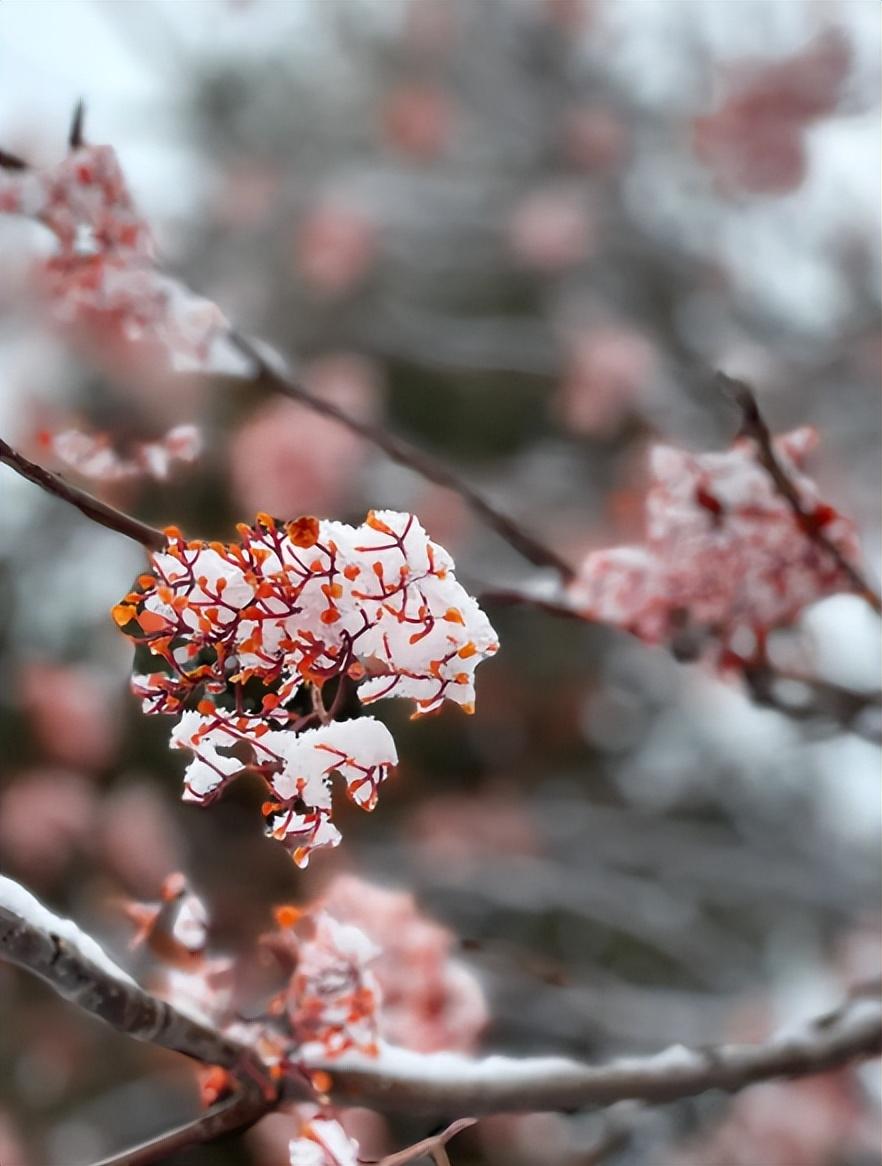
[15,899]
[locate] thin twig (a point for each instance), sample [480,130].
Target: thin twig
[408,455]
[75,139]
[93,508]
[753,425]
[844,707]
[432,1146]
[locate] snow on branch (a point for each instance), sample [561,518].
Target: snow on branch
[444,1083]
[77,968]
[440,1083]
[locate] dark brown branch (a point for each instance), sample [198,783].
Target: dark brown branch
[445,1084]
[432,1146]
[844,707]
[753,425]
[75,139]
[439,1085]
[77,969]
[408,455]
[93,508]
[11,161]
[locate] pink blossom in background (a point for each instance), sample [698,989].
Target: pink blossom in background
[723,550]
[595,138]
[755,141]
[417,120]
[551,229]
[287,460]
[820,1121]
[93,456]
[430,1001]
[609,369]
[73,712]
[335,247]
[47,816]
[526,1139]
[102,281]
[459,831]
[12,1150]
[248,195]
[138,838]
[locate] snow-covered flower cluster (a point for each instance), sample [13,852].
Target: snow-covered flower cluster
[253,633]
[103,273]
[431,1001]
[333,998]
[724,551]
[93,454]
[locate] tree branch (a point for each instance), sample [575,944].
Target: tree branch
[753,425]
[78,969]
[441,1084]
[93,508]
[408,455]
[401,1081]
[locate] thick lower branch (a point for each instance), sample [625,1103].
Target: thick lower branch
[443,1084]
[74,965]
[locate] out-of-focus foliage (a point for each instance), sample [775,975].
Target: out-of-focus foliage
[523,233]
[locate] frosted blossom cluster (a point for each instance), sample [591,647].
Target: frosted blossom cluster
[253,633]
[724,551]
[431,1001]
[93,455]
[333,998]
[103,272]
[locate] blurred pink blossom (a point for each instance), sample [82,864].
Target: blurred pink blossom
[607,368]
[755,141]
[335,247]
[551,229]
[458,830]
[595,138]
[138,838]
[46,816]
[72,710]
[417,120]
[286,460]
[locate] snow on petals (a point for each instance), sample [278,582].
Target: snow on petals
[93,455]
[333,998]
[431,1001]
[103,273]
[724,552]
[253,633]
[323,1142]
